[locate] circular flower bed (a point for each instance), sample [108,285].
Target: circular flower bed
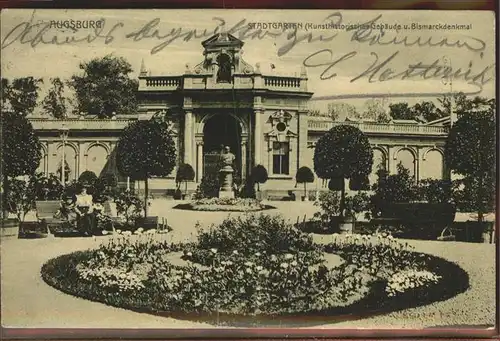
[256,266]
[225,205]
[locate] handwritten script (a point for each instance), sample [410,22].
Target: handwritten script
[38,33]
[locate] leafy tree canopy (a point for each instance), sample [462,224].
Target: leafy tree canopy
[21,152]
[422,112]
[145,149]
[345,152]
[20,96]
[304,174]
[185,172]
[374,109]
[471,144]
[54,103]
[105,87]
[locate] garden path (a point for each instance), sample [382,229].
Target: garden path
[28,302]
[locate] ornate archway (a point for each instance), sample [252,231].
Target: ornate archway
[218,130]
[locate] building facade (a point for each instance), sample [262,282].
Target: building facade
[225,101]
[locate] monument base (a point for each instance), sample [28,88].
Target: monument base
[226,194]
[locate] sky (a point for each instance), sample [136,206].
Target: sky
[339,61]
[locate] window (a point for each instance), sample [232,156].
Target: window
[224,72]
[281,158]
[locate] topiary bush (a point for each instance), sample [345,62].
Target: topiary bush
[259,175]
[88,177]
[185,173]
[304,176]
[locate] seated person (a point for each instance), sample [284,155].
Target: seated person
[84,209]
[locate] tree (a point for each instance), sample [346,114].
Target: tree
[374,110]
[105,87]
[259,175]
[304,175]
[344,152]
[146,149]
[394,188]
[21,152]
[401,111]
[426,112]
[54,103]
[21,95]
[341,110]
[470,149]
[185,173]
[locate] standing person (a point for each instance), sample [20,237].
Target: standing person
[84,211]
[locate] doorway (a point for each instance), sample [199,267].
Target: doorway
[221,130]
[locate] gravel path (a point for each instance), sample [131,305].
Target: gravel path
[28,302]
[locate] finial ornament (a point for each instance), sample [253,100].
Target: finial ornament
[144,71]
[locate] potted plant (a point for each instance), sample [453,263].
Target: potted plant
[185,173]
[21,154]
[344,152]
[304,176]
[259,176]
[20,200]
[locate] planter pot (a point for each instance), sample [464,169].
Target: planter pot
[259,195]
[9,228]
[346,225]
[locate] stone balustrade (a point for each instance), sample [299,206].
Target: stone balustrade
[163,83]
[286,83]
[41,124]
[370,127]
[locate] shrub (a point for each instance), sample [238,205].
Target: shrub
[88,177]
[109,179]
[248,189]
[225,204]
[255,233]
[128,205]
[208,187]
[435,191]
[47,187]
[185,173]
[20,198]
[259,175]
[359,183]
[391,189]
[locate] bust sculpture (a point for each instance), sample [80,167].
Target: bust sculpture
[227,157]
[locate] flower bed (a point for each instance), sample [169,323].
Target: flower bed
[259,267]
[225,205]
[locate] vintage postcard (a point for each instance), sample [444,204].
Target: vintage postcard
[248,168]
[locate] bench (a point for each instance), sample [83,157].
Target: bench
[45,211]
[379,223]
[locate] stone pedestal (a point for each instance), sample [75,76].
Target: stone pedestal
[226,189]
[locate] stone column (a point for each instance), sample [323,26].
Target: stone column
[257,137]
[243,159]
[188,136]
[270,155]
[199,164]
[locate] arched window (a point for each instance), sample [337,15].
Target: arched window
[379,162]
[224,72]
[433,165]
[407,159]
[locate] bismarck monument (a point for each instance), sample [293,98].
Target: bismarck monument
[226,174]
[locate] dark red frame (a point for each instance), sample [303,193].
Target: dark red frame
[264,333]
